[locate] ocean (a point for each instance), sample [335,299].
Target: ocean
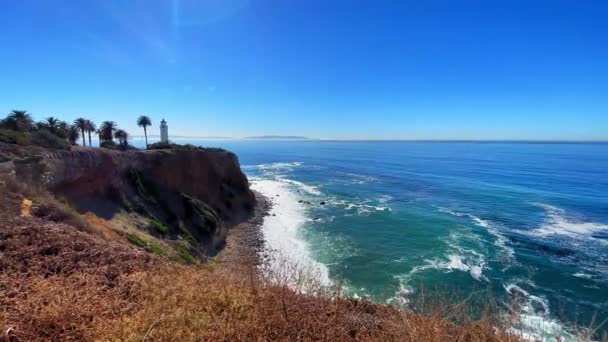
[526,222]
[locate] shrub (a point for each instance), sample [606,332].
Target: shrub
[184,255]
[14,137]
[190,147]
[158,226]
[108,144]
[136,240]
[156,248]
[58,210]
[47,139]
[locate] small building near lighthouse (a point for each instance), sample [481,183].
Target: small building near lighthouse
[164,132]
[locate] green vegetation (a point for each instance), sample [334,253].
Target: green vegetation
[81,124]
[47,139]
[190,147]
[14,137]
[122,137]
[18,120]
[184,254]
[145,189]
[144,121]
[158,226]
[19,128]
[156,248]
[136,240]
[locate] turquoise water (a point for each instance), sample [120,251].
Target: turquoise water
[526,221]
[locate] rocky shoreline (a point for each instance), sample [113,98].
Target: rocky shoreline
[245,242]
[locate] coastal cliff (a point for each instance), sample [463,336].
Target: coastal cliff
[184,197]
[101,245]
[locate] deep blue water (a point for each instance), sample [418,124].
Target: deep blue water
[528,221]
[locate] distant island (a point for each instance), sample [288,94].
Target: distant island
[279,137]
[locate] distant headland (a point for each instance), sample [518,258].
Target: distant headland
[279,137]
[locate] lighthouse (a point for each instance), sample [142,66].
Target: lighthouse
[164,132]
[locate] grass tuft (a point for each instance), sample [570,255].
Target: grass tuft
[136,240]
[157,226]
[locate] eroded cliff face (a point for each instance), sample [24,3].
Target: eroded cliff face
[195,194]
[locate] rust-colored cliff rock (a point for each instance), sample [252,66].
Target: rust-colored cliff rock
[195,194]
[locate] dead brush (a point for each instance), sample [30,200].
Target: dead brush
[217,305]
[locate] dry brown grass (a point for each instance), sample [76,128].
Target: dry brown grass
[58,283]
[213,305]
[119,295]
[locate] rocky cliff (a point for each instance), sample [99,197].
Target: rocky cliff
[185,196]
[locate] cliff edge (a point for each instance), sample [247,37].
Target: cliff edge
[186,199]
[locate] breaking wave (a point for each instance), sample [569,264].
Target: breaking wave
[534,320]
[500,241]
[558,222]
[281,228]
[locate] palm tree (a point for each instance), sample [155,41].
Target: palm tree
[73,134]
[52,124]
[81,124]
[19,120]
[122,137]
[90,127]
[41,125]
[106,130]
[144,121]
[62,129]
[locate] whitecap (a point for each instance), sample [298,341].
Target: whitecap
[557,222]
[500,241]
[470,262]
[273,169]
[356,178]
[583,275]
[280,165]
[361,208]
[384,198]
[310,189]
[457,262]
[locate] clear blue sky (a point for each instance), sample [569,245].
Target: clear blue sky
[376,69]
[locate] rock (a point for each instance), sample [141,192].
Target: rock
[195,193]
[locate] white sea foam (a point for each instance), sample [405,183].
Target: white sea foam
[281,227]
[471,262]
[557,222]
[273,169]
[312,190]
[282,165]
[458,262]
[401,298]
[355,178]
[468,261]
[451,212]
[361,208]
[583,275]
[534,322]
[384,198]
[500,240]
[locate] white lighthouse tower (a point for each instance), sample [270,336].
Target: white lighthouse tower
[164,132]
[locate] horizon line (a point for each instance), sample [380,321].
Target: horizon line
[437,140]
